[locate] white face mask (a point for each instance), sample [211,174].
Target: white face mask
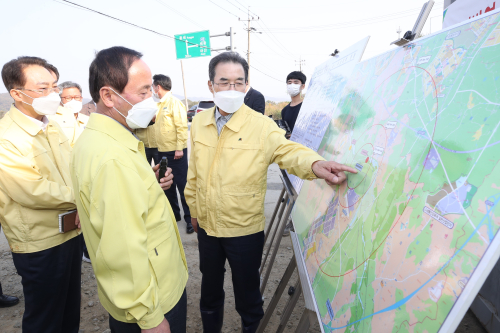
[46,105]
[156,98]
[293,89]
[74,105]
[141,114]
[229,101]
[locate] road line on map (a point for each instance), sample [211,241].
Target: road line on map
[446,173]
[490,102]
[484,148]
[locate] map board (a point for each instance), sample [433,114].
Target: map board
[323,95]
[405,244]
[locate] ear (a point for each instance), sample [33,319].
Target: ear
[210,86]
[303,86]
[16,95]
[105,94]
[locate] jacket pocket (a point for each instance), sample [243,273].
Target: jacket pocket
[165,259]
[241,206]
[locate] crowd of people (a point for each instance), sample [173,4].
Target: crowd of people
[82,181]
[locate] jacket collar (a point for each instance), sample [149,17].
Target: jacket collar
[236,121]
[23,121]
[114,129]
[166,96]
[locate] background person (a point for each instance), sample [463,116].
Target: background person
[129,228]
[71,99]
[171,138]
[35,179]
[295,83]
[255,100]
[148,137]
[233,147]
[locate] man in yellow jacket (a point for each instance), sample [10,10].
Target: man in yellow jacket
[171,138]
[35,188]
[232,148]
[129,227]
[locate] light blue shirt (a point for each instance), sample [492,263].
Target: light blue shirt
[221,120]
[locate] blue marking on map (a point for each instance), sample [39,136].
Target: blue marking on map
[407,298]
[329,307]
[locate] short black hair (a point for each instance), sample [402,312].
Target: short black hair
[110,68]
[296,75]
[13,71]
[52,68]
[162,81]
[227,57]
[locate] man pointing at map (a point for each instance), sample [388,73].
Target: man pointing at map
[231,149]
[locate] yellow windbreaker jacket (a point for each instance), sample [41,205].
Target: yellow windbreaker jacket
[35,183]
[148,135]
[66,120]
[129,227]
[171,124]
[227,176]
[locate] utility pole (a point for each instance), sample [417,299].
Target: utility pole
[249,30]
[399,32]
[184,83]
[300,62]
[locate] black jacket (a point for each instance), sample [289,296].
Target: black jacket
[255,100]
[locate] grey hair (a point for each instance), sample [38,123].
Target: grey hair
[224,58]
[68,84]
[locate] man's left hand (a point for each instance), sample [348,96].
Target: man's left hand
[167,179]
[331,172]
[178,154]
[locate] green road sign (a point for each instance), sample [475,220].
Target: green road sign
[192,45]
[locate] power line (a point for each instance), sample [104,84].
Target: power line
[372,20]
[258,70]
[237,6]
[125,22]
[224,9]
[176,11]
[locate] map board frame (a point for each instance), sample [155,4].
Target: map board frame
[492,251]
[192,45]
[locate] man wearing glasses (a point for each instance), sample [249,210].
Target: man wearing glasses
[35,188]
[232,148]
[68,116]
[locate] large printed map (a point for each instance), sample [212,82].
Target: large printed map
[393,249]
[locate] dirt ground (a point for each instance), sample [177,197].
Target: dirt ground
[95,319]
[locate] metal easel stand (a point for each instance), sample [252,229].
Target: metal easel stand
[280,217]
[284,205]
[302,286]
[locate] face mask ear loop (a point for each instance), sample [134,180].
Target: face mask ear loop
[26,96]
[121,98]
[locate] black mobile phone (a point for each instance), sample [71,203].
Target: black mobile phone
[163,168]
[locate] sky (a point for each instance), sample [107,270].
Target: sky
[69,37]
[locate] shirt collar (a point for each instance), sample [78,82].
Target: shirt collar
[31,125]
[114,129]
[237,119]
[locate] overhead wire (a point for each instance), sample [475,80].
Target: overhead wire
[237,6]
[123,21]
[348,24]
[178,12]
[258,70]
[224,9]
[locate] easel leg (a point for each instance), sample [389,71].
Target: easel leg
[305,321]
[276,246]
[277,295]
[270,227]
[290,306]
[283,206]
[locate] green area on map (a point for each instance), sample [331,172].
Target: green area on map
[392,249]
